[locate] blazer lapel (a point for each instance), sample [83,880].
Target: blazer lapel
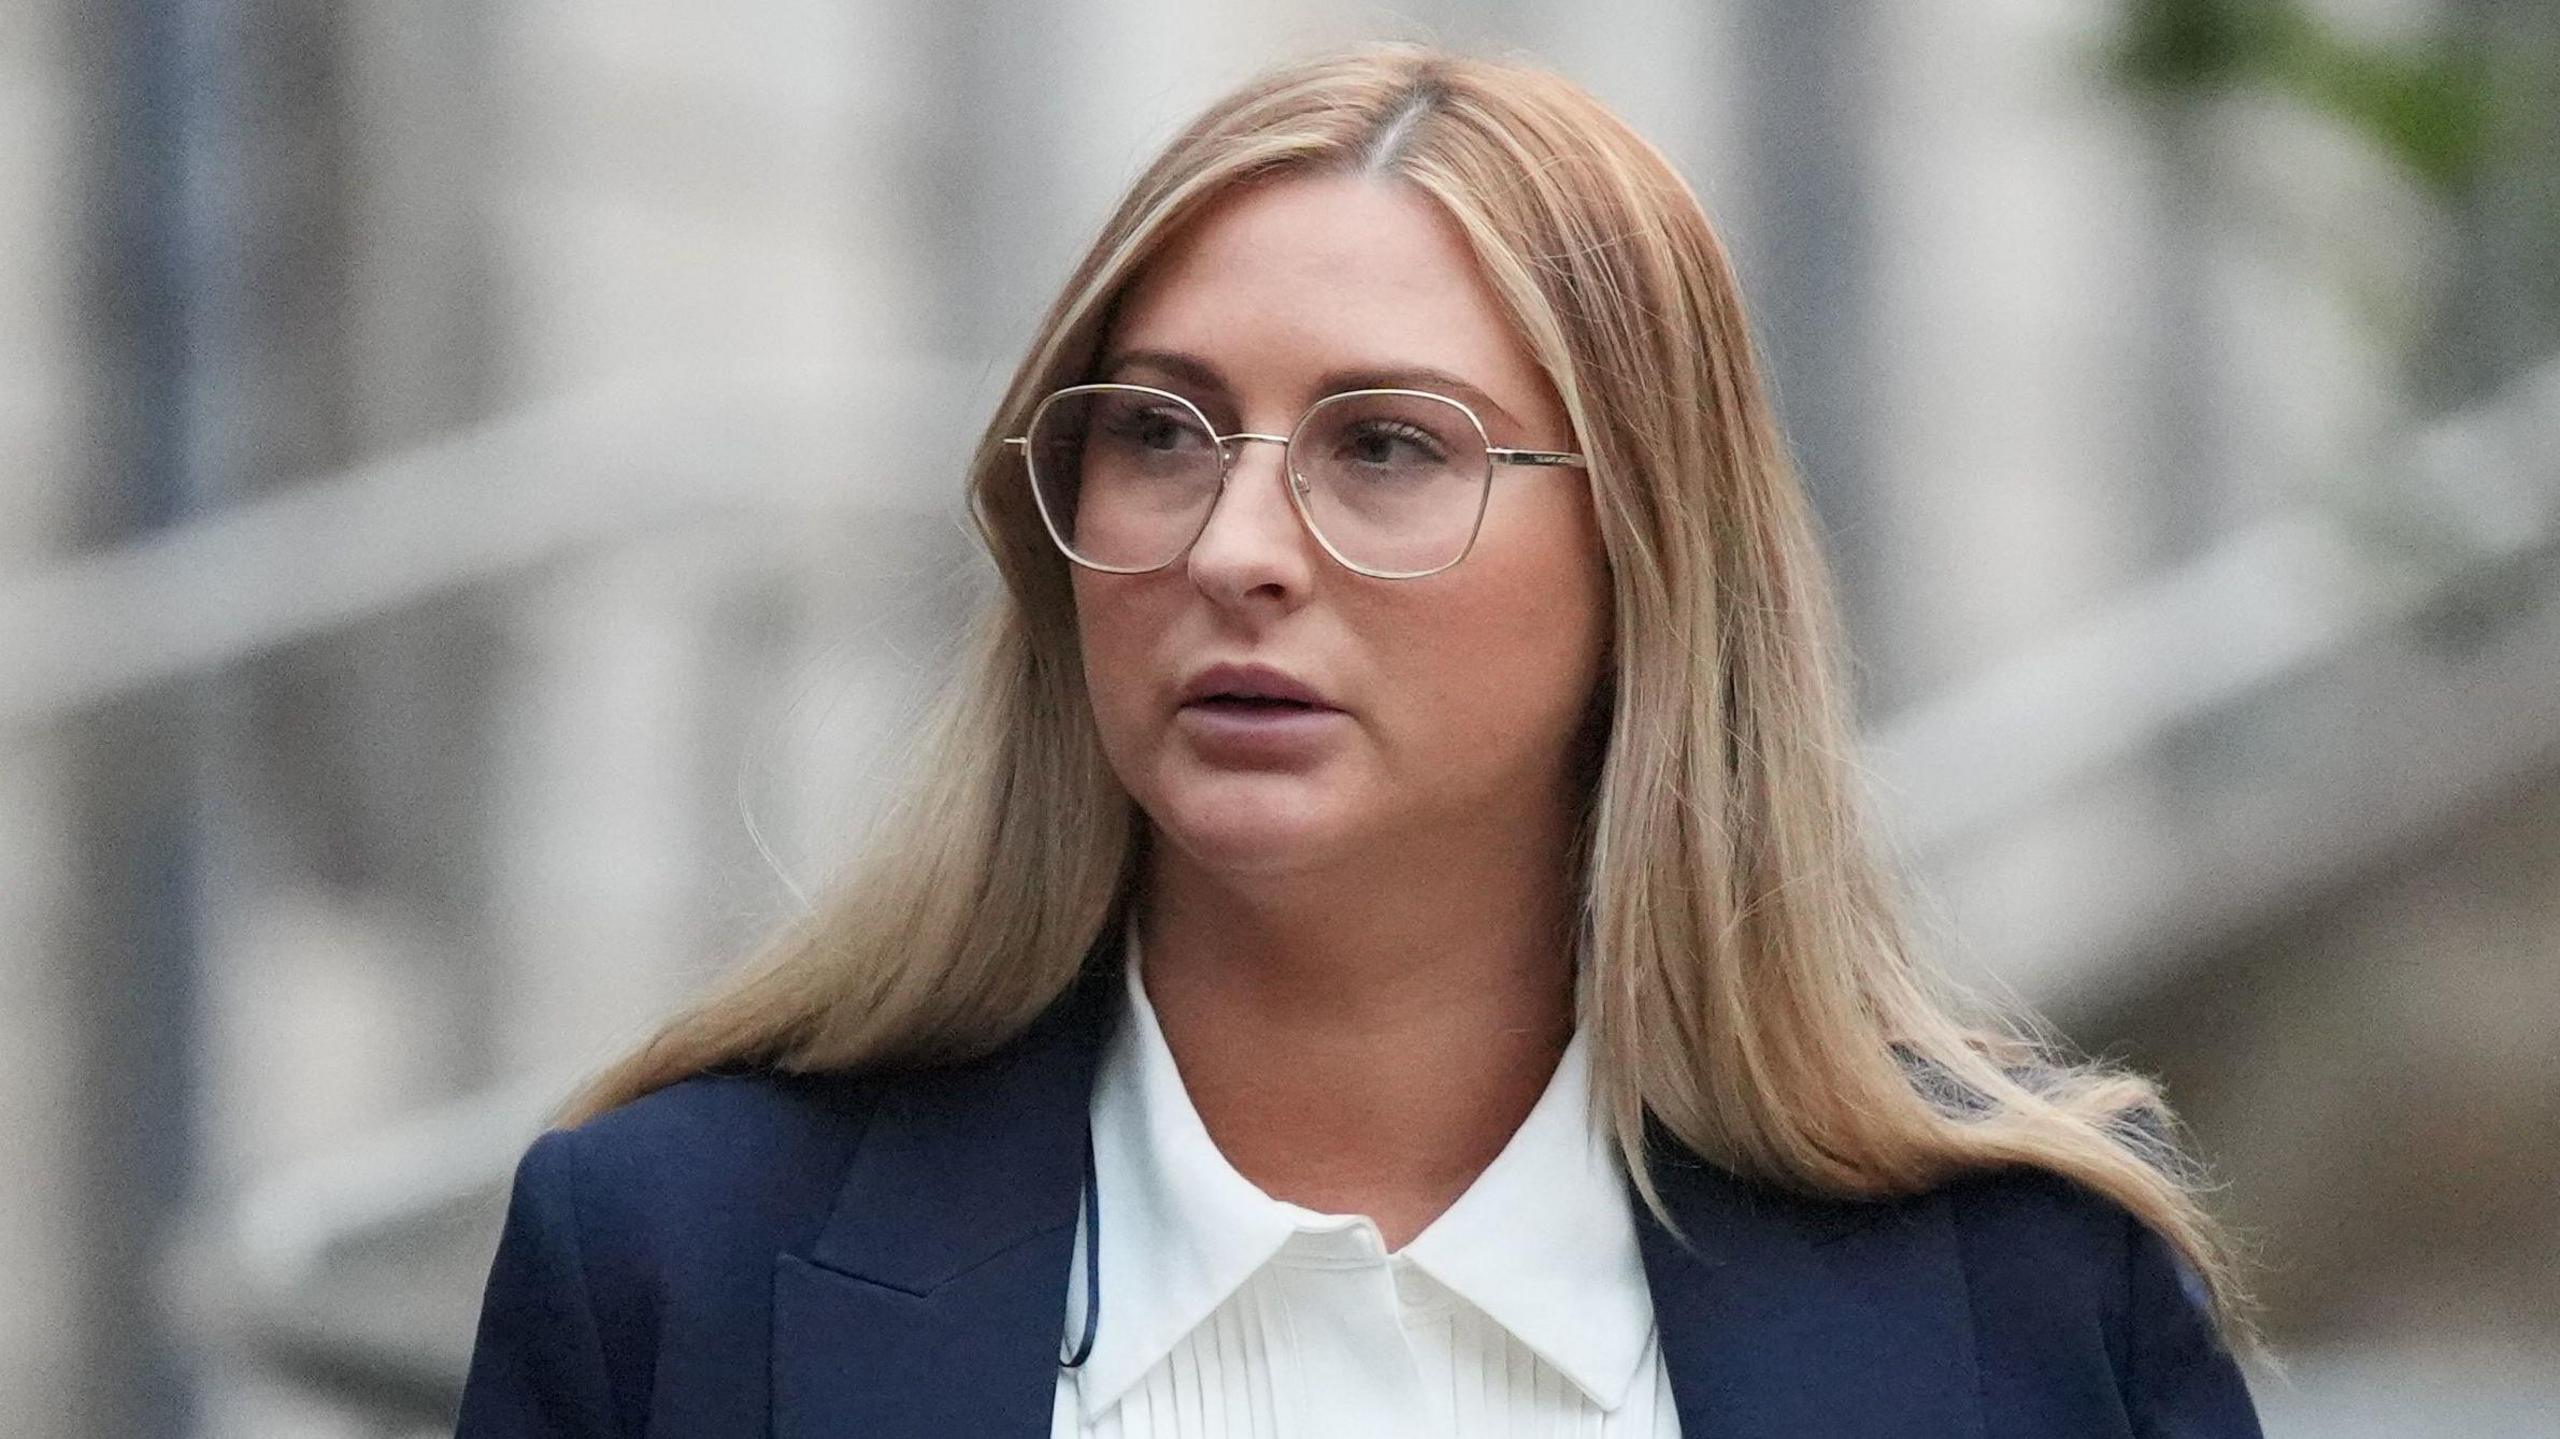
[931,1304]
[1794,1316]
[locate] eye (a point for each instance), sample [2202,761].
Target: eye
[1159,428]
[1390,444]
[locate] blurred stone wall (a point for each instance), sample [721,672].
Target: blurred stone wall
[41,420]
[2377,1076]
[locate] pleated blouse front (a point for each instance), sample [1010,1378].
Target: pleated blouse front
[1521,1312]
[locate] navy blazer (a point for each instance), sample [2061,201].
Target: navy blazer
[841,1257]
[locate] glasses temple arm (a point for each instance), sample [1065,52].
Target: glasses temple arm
[1501,455]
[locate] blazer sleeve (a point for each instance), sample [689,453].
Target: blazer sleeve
[538,1360]
[2179,1381]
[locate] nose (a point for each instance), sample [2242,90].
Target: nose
[1254,540]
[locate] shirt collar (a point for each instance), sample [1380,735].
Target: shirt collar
[1543,1242]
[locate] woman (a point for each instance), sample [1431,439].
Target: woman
[1384,941]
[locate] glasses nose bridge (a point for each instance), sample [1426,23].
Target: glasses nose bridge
[1229,452]
[1227,443]
[1231,449]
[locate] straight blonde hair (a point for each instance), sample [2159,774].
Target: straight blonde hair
[1747,976]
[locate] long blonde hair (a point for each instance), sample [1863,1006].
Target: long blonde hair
[1748,978]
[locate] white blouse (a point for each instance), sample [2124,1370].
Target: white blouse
[1521,1311]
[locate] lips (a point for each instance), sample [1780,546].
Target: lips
[1256,717]
[1247,689]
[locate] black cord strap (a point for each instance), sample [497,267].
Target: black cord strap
[1092,1257]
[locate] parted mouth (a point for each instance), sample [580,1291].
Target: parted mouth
[1252,685]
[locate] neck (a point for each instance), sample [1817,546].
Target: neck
[1367,1039]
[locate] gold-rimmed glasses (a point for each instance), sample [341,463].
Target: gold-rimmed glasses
[1392,483]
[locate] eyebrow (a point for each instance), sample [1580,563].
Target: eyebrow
[1191,369]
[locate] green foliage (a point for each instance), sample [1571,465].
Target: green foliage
[2428,107]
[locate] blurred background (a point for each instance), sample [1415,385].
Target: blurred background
[479,504]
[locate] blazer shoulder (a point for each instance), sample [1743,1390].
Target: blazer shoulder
[655,1220]
[2045,1257]
[2035,1205]
[730,1160]
[2032,1230]
[734,1113]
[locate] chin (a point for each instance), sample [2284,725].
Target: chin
[1252,821]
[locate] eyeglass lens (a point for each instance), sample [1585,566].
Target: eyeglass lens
[1394,482]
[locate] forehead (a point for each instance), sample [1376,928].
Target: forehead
[1288,280]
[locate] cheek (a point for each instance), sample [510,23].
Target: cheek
[1505,660]
[1116,631]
